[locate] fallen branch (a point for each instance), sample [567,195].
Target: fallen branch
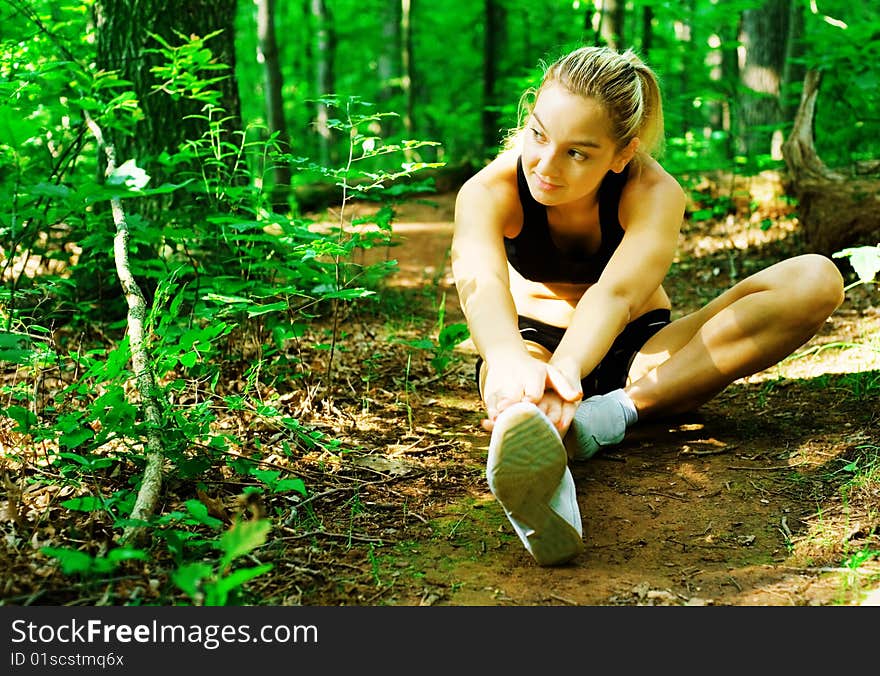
[145,383]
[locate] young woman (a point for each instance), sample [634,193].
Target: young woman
[560,248]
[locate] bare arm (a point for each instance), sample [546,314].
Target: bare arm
[651,211]
[486,207]
[479,266]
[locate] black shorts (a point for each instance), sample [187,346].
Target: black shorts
[611,373]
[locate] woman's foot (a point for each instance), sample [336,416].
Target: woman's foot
[599,421]
[527,471]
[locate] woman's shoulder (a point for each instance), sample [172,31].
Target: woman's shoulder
[499,174]
[649,175]
[651,195]
[494,187]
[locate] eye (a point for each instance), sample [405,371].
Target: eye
[577,155]
[537,134]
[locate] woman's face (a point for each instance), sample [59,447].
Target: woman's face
[568,148]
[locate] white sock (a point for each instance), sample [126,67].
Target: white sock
[600,420]
[629,408]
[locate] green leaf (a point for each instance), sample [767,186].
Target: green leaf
[10,340]
[421,344]
[126,554]
[284,485]
[76,457]
[71,560]
[25,418]
[189,359]
[852,467]
[280,306]
[453,334]
[200,513]
[239,577]
[76,437]
[17,356]
[325,291]
[864,259]
[44,189]
[267,476]
[88,503]
[242,538]
[189,576]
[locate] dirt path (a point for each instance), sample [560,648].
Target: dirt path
[741,503]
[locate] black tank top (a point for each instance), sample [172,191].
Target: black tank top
[532,252]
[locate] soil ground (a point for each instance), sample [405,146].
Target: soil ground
[747,501]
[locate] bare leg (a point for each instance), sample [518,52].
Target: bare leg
[748,328]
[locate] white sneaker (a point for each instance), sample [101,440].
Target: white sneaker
[527,471]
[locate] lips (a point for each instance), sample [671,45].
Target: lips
[544,185]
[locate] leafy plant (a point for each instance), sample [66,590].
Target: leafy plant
[865,260]
[75,562]
[443,345]
[232,285]
[217,584]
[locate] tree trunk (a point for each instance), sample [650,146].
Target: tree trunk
[124,44]
[493,42]
[762,59]
[324,79]
[388,60]
[836,209]
[611,24]
[793,72]
[647,31]
[123,41]
[267,56]
[308,144]
[684,34]
[730,78]
[407,67]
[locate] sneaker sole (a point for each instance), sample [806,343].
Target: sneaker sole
[527,466]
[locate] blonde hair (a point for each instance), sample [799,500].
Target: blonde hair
[624,85]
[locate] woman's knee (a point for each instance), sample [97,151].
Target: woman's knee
[817,283]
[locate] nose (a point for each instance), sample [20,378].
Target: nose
[546,164]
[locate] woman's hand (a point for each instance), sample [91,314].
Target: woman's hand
[526,378]
[511,380]
[561,399]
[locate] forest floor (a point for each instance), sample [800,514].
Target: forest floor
[758,498]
